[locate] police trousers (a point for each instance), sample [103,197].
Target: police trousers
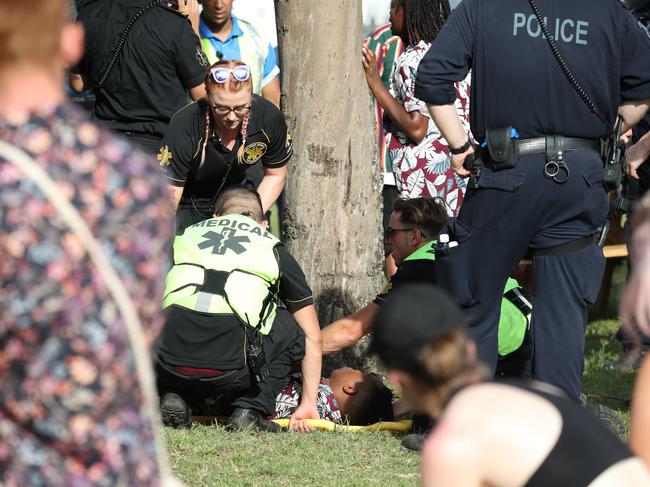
[284,348]
[510,211]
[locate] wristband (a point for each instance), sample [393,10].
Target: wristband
[462,148]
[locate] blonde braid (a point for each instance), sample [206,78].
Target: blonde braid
[244,127]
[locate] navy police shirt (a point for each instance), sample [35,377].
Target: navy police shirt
[515,78]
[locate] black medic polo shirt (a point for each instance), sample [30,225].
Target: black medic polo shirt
[160,61]
[268,145]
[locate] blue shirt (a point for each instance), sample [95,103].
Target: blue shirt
[517,82]
[229,49]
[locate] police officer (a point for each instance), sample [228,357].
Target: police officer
[224,140]
[142,59]
[226,344]
[545,189]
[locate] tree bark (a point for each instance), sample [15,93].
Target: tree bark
[333,193]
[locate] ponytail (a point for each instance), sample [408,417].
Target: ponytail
[446,366]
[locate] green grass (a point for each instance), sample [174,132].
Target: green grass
[602,386]
[209,456]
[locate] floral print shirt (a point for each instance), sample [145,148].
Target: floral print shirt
[289,399]
[70,402]
[424,169]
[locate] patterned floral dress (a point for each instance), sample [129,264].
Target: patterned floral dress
[424,169]
[70,401]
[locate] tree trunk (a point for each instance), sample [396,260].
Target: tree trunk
[333,193]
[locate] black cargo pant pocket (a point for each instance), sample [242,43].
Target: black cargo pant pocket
[452,263]
[594,268]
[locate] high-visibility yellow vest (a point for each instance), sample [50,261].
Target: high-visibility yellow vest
[226,265]
[252,49]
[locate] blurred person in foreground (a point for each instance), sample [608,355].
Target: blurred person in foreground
[71,406]
[498,433]
[635,314]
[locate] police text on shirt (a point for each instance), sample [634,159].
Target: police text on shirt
[566,30]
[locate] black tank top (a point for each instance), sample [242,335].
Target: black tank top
[584,449]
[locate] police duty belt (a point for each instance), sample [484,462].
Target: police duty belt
[554,146]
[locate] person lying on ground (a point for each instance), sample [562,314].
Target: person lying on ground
[498,433]
[348,395]
[635,316]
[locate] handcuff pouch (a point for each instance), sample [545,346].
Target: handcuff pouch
[503,150]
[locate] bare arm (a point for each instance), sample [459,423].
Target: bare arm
[413,124]
[447,459]
[634,307]
[347,331]
[640,419]
[191,10]
[632,112]
[446,119]
[175,192]
[271,91]
[637,154]
[197,92]
[272,185]
[78,82]
[311,368]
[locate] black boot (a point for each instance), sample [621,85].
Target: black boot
[242,418]
[175,412]
[414,441]
[421,426]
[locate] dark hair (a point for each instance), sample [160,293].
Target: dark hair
[372,403]
[424,18]
[428,215]
[239,200]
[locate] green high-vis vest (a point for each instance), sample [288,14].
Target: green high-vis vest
[226,265]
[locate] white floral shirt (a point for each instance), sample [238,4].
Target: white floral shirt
[424,169]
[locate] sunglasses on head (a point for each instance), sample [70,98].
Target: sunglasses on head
[221,74]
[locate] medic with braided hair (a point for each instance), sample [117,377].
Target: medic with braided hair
[230,138]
